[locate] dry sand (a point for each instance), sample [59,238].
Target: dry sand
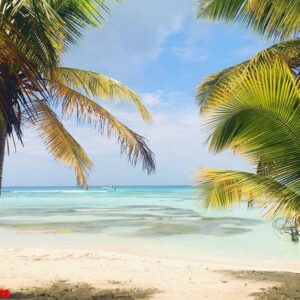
[126,274]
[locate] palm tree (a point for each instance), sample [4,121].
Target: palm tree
[253,109]
[33,83]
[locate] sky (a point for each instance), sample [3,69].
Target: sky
[160,50]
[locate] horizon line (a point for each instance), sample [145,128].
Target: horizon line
[74,186]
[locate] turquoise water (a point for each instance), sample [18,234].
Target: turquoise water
[166,218]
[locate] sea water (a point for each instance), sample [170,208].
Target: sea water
[170,219]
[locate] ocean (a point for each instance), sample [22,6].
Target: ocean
[168,219]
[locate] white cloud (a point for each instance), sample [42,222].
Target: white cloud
[248,51]
[191,53]
[176,137]
[194,47]
[151,99]
[132,38]
[251,45]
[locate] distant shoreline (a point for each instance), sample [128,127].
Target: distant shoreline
[96,186]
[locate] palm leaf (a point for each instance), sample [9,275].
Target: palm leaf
[261,121]
[224,188]
[87,111]
[79,15]
[209,91]
[270,18]
[268,89]
[40,26]
[99,85]
[20,80]
[52,26]
[60,143]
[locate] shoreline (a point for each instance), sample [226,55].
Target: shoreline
[135,252]
[163,277]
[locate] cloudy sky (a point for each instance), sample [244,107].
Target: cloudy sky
[158,49]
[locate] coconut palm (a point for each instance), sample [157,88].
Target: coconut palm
[253,109]
[34,85]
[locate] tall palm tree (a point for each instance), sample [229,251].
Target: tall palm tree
[253,109]
[33,83]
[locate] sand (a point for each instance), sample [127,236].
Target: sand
[124,273]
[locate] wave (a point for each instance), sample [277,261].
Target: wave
[88,192]
[54,191]
[35,191]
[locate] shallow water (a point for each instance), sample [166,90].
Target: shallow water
[166,218]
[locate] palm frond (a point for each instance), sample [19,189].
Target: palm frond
[87,111]
[267,89]
[208,92]
[99,85]
[60,143]
[79,15]
[52,26]
[39,25]
[261,121]
[20,80]
[224,188]
[278,19]
[12,37]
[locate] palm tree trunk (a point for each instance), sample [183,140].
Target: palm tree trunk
[3,137]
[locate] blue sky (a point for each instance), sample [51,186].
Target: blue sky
[158,49]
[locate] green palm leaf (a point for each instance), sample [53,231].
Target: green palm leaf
[52,26]
[79,15]
[260,122]
[224,188]
[270,18]
[209,91]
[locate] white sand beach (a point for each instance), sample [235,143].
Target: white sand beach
[161,277]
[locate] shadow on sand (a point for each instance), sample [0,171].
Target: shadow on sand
[65,291]
[286,284]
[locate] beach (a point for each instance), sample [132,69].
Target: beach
[139,243]
[69,273]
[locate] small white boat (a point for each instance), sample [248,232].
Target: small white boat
[109,188]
